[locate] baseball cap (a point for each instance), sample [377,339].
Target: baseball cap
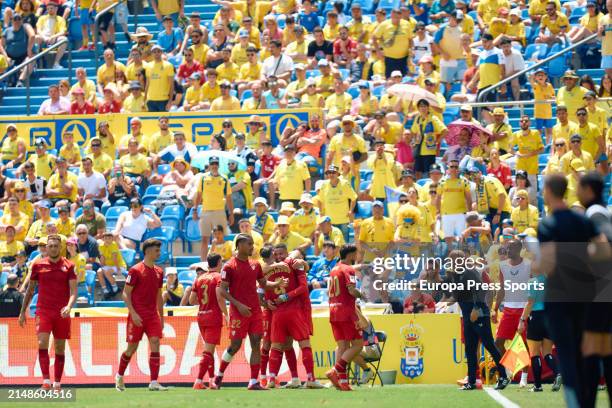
[323,63]
[458,14]
[331,169]
[465,108]
[515,12]
[323,219]
[575,137]
[213,159]
[134,85]
[378,203]
[44,204]
[435,168]
[499,111]
[196,76]
[472,216]
[156,47]
[299,66]
[396,74]
[41,141]
[407,173]
[243,33]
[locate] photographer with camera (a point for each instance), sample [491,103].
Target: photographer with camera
[419,301]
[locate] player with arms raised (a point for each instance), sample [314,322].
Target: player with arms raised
[239,278]
[211,313]
[343,316]
[55,279]
[143,298]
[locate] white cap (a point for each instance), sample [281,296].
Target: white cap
[515,12]
[260,200]
[396,73]
[200,265]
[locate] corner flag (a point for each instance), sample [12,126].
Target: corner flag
[517,356]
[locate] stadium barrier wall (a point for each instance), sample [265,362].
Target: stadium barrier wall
[422,348]
[197,126]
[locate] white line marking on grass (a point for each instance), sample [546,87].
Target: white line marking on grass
[499,398]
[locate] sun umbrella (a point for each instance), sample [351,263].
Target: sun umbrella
[413,93]
[454,129]
[201,159]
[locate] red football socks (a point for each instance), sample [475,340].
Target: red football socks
[205,363]
[276,358]
[308,362]
[43,359]
[223,366]
[254,371]
[124,361]
[341,368]
[292,362]
[58,367]
[265,357]
[154,365]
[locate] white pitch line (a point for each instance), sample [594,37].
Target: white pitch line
[500,399]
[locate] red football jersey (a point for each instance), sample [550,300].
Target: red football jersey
[341,302]
[205,288]
[242,277]
[297,285]
[53,284]
[268,164]
[146,282]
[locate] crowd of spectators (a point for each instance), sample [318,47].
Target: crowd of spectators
[326,180]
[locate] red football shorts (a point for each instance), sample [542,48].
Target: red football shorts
[509,323]
[267,324]
[210,334]
[151,326]
[346,330]
[241,326]
[288,323]
[53,323]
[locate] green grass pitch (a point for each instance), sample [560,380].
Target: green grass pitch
[435,396]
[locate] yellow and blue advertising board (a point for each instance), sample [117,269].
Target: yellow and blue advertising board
[197,126]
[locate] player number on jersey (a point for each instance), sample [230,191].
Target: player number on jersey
[204,300]
[334,286]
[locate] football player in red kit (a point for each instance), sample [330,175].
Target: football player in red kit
[288,321]
[55,279]
[212,312]
[239,278]
[343,316]
[143,298]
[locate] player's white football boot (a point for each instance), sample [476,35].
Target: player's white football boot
[155,386]
[314,385]
[293,384]
[119,384]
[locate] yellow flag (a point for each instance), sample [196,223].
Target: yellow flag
[517,356]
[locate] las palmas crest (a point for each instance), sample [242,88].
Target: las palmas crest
[412,350]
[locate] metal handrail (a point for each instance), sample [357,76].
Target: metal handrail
[536,65]
[513,103]
[32,60]
[97,27]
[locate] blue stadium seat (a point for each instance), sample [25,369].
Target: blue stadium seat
[364,209]
[318,296]
[110,303]
[129,256]
[421,182]
[188,275]
[151,193]
[537,51]
[182,261]
[3,279]
[163,169]
[192,230]
[33,304]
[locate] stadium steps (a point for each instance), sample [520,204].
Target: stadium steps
[13,102]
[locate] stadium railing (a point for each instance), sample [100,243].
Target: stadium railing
[538,64]
[15,70]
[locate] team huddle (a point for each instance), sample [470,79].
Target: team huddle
[268,302]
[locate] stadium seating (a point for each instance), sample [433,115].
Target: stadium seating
[318,296]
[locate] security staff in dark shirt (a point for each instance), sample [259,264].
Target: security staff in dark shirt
[570,285]
[11,299]
[476,318]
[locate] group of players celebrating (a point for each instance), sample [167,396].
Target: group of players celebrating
[268,301]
